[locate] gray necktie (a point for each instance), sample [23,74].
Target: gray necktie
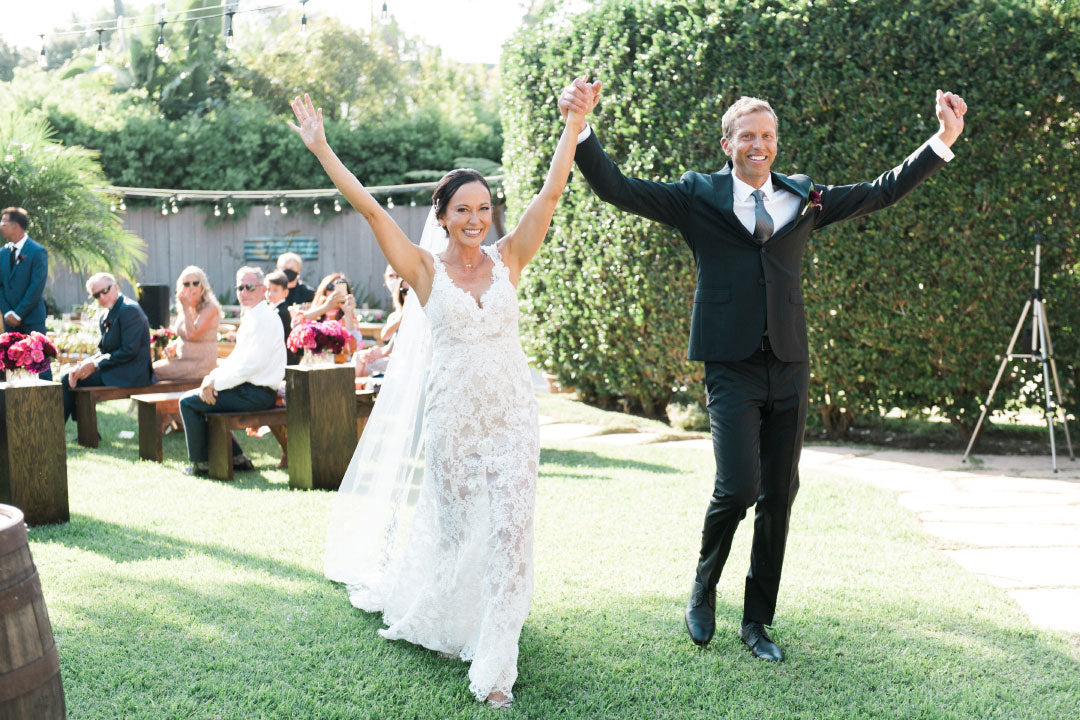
[763,224]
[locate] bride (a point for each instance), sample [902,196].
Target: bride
[433,524]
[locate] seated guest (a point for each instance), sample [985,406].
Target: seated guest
[123,356]
[194,353]
[334,301]
[299,293]
[277,290]
[246,380]
[373,360]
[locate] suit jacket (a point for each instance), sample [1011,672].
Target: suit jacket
[743,284]
[282,308]
[123,356]
[22,285]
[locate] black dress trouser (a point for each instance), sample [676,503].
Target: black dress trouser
[757,410]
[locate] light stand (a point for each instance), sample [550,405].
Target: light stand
[1042,350]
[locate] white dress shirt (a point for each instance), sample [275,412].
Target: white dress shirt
[781,204]
[16,248]
[259,356]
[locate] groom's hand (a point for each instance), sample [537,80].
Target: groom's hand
[580,95]
[950,109]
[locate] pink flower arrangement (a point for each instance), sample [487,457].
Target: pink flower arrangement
[26,352]
[161,337]
[330,336]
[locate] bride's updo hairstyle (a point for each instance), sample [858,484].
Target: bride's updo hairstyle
[450,184]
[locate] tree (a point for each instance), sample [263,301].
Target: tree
[58,185]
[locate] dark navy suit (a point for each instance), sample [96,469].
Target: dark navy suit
[22,282]
[123,356]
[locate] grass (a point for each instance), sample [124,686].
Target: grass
[178,597]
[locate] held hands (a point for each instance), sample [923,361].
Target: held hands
[578,99]
[207,392]
[11,320]
[82,370]
[310,129]
[950,109]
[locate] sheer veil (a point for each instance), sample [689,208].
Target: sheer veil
[373,509]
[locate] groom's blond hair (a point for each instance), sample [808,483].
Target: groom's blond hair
[744,106]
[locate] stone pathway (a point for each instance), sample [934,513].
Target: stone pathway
[1008,519]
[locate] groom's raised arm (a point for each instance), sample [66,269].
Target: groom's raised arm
[668,203]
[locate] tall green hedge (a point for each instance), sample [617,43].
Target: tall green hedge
[910,307]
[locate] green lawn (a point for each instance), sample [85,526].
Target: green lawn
[179,597]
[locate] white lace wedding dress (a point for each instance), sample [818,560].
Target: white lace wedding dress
[464,583]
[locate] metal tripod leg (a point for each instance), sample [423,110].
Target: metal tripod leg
[1048,347]
[1001,371]
[1039,338]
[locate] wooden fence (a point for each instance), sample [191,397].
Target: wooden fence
[194,236]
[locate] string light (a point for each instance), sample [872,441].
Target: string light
[100,57]
[389,203]
[164,209]
[316,209]
[162,49]
[230,39]
[337,205]
[266,210]
[217,210]
[284,210]
[385,15]
[303,17]
[175,207]
[412,202]
[43,61]
[229,208]
[123,205]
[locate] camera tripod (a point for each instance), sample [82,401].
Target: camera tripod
[1042,350]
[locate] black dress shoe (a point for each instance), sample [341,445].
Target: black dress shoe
[761,645]
[701,614]
[196,471]
[243,465]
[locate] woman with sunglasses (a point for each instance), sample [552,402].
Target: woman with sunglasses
[194,353]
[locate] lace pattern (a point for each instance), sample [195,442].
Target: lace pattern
[464,584]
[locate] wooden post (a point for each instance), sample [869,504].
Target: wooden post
[219,446]
[33,454]
[86,419]
[320,406]
[149,431]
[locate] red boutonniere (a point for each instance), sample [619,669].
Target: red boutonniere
[813,199]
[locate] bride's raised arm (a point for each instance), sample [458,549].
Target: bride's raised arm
[519,246]
[407,259]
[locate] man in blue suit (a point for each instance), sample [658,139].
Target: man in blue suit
[24,267]
[123,356]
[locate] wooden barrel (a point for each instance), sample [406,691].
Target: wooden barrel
[29,667]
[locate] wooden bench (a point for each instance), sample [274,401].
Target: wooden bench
[153,408]
[219,435]
[87,398]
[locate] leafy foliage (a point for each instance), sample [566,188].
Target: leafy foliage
[56,184]
[908,308]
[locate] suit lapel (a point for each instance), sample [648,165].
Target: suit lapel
[798,186]
[725,200]
[6,266]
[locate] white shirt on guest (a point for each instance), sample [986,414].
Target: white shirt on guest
[780,203]
[259,356]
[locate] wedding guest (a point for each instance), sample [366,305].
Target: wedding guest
[246,380]
[123,357]
[24,267]
[299,292]
[277,290]
[334,301]
[373,360]
[194,353]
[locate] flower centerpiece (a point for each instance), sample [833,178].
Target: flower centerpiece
[319,341]
[159,340]
[24,357]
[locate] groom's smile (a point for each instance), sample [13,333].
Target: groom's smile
[752,147]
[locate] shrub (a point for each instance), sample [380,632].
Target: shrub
[910,307]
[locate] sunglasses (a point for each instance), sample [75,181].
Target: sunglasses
[249,288]
[99,293]
[192,283]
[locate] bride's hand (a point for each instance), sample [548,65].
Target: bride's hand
[310,129]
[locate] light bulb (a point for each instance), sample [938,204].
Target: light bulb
[175,208]
[43,61]
[385,14]
[112,207]
[229,208]
[123,205]
[412,202]
[266,210]
[164,209]
[390,203]
[162,49]
[284,210]
[100,57]
[337,205]
[217,210]
[230,39]
[316,209]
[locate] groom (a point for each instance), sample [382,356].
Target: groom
[747,227]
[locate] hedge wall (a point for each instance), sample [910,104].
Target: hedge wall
[910,307]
